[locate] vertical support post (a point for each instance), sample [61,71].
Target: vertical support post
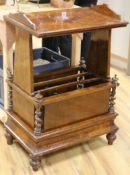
[76,48]
[23,76]
[23,64]
[111,136]
[39,116]
[112,98]
[10,100]
[99,53]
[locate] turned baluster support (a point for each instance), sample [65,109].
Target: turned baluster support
[112,135]
[39,115]
[83,67]
[10,79]
[35,162]
[112,98]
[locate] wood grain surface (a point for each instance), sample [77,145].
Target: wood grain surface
[66,21]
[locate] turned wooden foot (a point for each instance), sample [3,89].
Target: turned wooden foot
[35,162]
[111,136]
[9,138]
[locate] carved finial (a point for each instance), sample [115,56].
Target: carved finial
[9,75]
[112,98]
[83,63]
[115,80]
[38,96]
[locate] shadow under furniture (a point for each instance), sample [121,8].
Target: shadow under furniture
[60,108]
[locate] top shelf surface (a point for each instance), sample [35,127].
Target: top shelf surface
[66,21]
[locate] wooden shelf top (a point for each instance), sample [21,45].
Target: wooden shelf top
[66,21]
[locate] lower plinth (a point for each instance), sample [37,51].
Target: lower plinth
[59,138]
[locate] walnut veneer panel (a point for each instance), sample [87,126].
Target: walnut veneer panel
[75,109]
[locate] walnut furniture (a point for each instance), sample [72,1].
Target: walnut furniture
[58,109]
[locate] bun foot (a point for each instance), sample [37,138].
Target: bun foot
[111,137]
[35,162]
[9,138]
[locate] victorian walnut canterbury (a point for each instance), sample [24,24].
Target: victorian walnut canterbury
[61,108]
